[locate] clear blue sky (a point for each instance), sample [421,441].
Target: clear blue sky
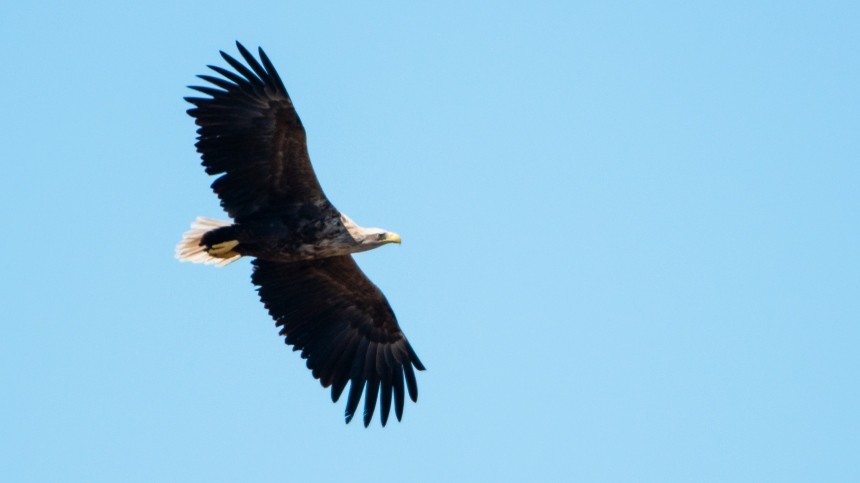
[630,250]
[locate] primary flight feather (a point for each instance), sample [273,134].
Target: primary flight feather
[250,134]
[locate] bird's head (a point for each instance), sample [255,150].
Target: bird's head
[367,238]
[374,237]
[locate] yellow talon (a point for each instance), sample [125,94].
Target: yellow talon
[224,249]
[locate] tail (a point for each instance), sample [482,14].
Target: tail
[191,249]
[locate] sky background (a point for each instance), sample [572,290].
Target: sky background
[630,249]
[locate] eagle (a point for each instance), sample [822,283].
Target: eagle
[250,134]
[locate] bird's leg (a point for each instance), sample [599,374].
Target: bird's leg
[224,249]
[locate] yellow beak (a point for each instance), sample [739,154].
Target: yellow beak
[391,237]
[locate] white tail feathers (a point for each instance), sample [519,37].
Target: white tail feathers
[190,249]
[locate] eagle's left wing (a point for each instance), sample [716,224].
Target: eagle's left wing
[345,328]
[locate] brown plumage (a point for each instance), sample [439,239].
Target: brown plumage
[251,135]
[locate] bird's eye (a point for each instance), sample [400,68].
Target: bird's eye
[381,236]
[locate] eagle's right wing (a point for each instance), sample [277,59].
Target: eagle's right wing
[250,132]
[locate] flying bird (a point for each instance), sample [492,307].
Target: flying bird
[250,134]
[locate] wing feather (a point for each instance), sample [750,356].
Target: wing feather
[398,391]
[385,400]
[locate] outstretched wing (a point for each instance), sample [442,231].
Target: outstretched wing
[250,132]
[346,330]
